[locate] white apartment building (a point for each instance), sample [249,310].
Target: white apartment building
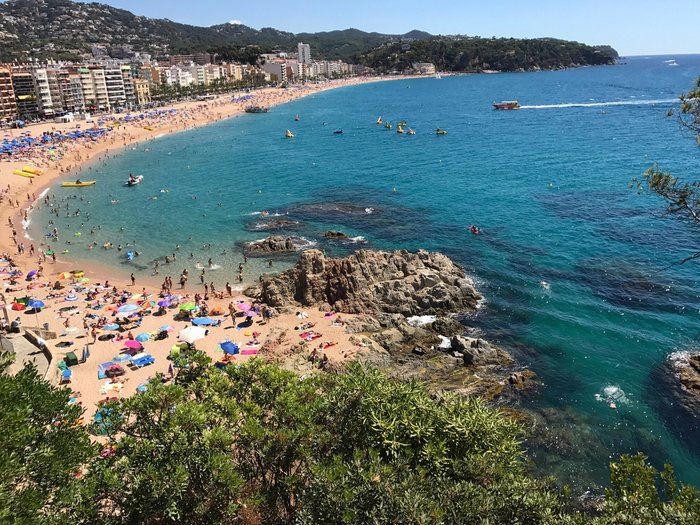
[304,53]
[43,92]
[115,87]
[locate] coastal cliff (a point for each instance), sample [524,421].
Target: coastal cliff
[404,305]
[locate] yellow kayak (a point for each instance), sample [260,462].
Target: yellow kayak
[33,171]
[78,184]
[24,174]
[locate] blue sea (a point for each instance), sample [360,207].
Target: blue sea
[577,268]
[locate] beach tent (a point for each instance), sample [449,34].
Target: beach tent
[229,348]
[192,334]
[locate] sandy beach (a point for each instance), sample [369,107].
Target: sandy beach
[85,302]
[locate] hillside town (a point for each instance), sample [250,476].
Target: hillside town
[62,91]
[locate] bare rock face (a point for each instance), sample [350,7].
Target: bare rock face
[368,281]
[689,376]
[272,244]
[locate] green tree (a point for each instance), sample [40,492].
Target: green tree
[682,198]
[43,448]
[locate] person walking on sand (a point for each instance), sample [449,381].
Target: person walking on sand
[133,280]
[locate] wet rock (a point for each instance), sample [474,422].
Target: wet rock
[368,281]
[277,223]
[272,244]
[330,234]
[478,352]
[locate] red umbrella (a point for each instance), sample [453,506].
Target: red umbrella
[133,343]
[18,306]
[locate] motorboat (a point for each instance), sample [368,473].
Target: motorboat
[506,104]
[441,131]
[338,132]
[133,181]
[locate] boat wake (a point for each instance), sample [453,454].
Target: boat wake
[602,104]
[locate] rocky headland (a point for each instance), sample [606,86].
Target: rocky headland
[405,306]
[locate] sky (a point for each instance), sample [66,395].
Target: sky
[633,27]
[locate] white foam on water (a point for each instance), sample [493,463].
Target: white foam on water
[602,104]
[420,320]
[613,394]
[43,193]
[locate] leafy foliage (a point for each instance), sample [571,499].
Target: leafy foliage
[474,54]
[682,198]
[43,449]
[258,444]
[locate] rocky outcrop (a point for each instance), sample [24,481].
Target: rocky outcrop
[367,281]
[331,234]
[272,244]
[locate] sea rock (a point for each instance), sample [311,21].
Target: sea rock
[478,352]
[276,223]
[331,234]
[272,244]
[368,281]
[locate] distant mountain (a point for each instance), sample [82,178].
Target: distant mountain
[65,29]
[62,29]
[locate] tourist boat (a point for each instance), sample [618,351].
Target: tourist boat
[441,131]
[133,182]
[256,109]
[506,104]
[289,135]
[78,184]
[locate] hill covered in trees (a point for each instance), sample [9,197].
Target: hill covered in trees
[62,29]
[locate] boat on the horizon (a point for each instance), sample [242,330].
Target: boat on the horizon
[256,109]
[506,104]
[338,132]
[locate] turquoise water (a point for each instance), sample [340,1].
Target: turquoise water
[577,268]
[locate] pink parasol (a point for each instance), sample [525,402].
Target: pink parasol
[132,343]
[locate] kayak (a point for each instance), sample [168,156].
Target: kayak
[24,173]
[78,184]
[33,171]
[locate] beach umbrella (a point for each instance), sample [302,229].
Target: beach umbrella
[111,326]
[164,303]
[188,307]
[142,387]
[123,315]
[127,308]
[36,304]
[71,297]
[243,307]
[192,334]
[229,348]
[31,274]
[142,338]
[18,307]
[132,343]
[84,280]
[166,328]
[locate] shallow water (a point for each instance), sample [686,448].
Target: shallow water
[577,268]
